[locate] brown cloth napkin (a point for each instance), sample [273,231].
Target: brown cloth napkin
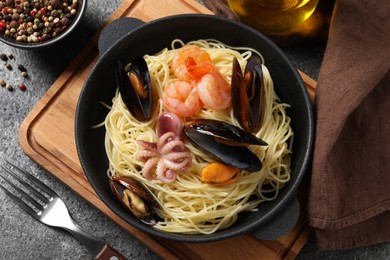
[349,195]
[349,192]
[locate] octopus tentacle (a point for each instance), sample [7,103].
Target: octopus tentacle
[176,145]
[147,170]
[145,155]
[163,173]
[167,176]
[165,138]
[165,158]
[178,165]
[176,156]
[147,145]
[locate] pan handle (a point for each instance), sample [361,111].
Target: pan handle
[281,224]
[115,31]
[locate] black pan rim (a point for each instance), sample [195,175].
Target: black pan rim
[222,234]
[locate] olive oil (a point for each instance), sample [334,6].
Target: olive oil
[273,16]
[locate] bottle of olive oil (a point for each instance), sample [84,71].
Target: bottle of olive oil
[287,22]
[273,16]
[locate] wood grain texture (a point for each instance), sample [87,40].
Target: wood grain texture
[47,137]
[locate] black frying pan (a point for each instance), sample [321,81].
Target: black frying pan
[127,38]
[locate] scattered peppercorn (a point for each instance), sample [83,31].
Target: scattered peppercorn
[24,74]
[21,68]
[3,57]
[22,87]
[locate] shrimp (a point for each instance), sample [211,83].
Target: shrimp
[192,64]
[214,91]
[181,98]
[186,54]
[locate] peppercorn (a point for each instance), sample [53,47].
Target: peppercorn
[15,16]
[3,57]
[56,4]
[2,82]
[9,87]
[22,87]
[19,20]
[14,24]
[8,66]
[65,21]
[10,56]
[21,67]
[29,19]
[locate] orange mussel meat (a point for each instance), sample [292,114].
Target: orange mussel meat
[219,174]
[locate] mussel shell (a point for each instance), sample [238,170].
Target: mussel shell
[248,94]
[238,156]
[120,184]
[223,132]
[136,187]
[241,108]
[255,92]
[140,107]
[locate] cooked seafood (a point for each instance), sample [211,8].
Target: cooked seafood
[224,141]
[182,98]
[218,169]
[193,54]
[219,174]
[248,94]
[135,197]
[168,122]
[165,158]
[224,132]
[200,84]
[135,88]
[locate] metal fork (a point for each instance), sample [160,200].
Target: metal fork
[46,207]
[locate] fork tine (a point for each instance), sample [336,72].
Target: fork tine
[27,185]
[40,184]
[22,192]
[20,202]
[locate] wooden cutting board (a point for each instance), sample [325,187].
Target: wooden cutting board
[47,137]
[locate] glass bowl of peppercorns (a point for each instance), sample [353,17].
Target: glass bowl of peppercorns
[31,24]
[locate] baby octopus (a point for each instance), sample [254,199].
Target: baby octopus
[167,157]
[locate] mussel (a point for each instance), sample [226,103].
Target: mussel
[135,88]
[223,132]
[135,198]
[248,94]
[226,142]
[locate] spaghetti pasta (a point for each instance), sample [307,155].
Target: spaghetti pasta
[188,205]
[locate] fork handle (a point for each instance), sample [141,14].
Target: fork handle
[109,253]
[100,249]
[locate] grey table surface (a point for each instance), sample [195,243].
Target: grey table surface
[21,237]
